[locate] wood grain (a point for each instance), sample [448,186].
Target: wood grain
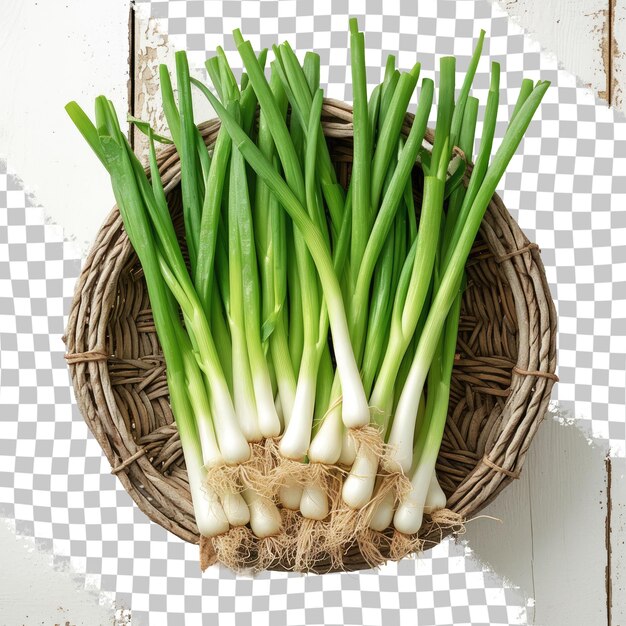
[617,541]
[151,48]
[576,32]
[588,38]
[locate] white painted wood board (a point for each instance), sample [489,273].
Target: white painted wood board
[551,539]
[40,71]
[33,592]
[152,48]
[589,40]
[575,31]
[617,541]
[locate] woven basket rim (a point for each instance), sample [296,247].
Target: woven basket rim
[533,374]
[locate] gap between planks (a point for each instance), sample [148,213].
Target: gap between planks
[608,539]
[609,49]
[132,60]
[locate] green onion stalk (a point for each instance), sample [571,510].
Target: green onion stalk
[324,445]
[359,485]
[188,393]
[439,375]
[291,195]
[423,497]
[401,434]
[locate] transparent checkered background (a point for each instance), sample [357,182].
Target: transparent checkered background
[566,187]
[56,486]
[567,191]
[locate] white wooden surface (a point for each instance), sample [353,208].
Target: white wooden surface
[618,54]
[152,48]
[553,538]
[51,52]
[618,541]
[32,592]
[575,31]
[40,71]
[588,38]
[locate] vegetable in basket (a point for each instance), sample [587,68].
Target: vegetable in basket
[309,330]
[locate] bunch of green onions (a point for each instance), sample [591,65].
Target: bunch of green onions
[309,331]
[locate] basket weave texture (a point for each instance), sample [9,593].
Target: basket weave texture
[501,383]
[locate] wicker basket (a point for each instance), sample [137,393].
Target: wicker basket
[500,388]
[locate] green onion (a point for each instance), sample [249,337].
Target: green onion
[297,435]
[400,437]
[111,147]
[314,322]
[354,407]
[408,517]
[361,159]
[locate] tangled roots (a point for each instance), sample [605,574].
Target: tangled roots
[403,545]
[369,437]
[256,473]
[311,547]
[373,546]
[444,521]
[235,548]
[335,543]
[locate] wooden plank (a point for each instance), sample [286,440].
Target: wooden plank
[50,53]
[617,540]
[551,540]
[32,591]
[568,498]
[576,32]
[617,42]
[152,47]
[503,539]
